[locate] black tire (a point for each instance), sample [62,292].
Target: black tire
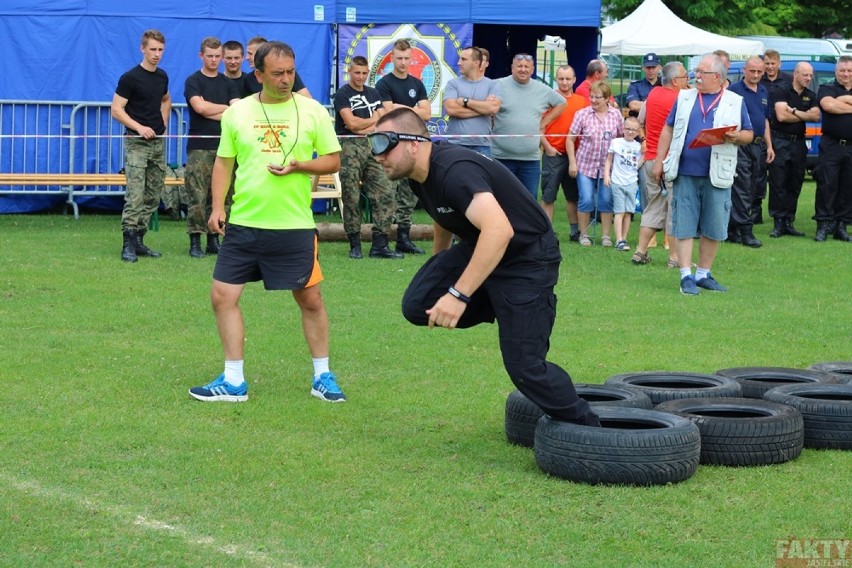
[841,369]
[661,386]
[742,431]
[522,415]
[757,380]
[634,446]
[826,410]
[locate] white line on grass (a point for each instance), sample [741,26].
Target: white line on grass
[32,487]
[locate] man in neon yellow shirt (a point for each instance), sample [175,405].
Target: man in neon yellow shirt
[271,235]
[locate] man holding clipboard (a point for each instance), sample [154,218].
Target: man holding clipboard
[702,174]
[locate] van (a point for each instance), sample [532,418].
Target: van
[843,45]
[800,49]
[823,73]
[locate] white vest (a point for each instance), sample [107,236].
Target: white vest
[723,157]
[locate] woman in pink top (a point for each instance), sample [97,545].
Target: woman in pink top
[595,126]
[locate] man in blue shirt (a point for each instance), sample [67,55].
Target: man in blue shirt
[638,91]
[751,158]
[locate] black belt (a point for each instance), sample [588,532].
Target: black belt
[789,137]
[838,141]
[757,140]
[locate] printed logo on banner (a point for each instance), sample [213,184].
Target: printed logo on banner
[435,50]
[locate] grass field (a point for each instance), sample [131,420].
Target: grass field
[107,461]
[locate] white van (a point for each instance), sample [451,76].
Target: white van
[796,48]
[844,45]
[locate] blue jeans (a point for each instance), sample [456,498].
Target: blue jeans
[592,197]
[484,150]
[527,171]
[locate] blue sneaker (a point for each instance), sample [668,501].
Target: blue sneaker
[325,388]
[709,283]
[219,390]
[688,287]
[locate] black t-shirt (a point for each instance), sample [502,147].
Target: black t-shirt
[363,104]
[144,91]
[787,94]
[456,174]
[219,90]
[408,91]
[241,83]
[837,126]
[781,80]
[254,86]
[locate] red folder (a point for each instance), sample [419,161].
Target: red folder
[711,137]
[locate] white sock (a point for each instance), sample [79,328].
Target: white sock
[684,272]
[320,366]
[701,273]
[234,373]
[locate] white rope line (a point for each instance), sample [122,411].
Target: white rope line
[208,136]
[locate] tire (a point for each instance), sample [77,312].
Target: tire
[742,431]
[841,369]
[522,415]
[757,380]
[634,446]
[826,410]
[661,386]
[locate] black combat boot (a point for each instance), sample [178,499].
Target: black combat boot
[840,233]
[778,230]
[734,235]
[355,246]
[380,248]
[748,239]
[141,249]
[195,246]
[789,229]
[212,244]
[403,241]
[823,229]
[128,248]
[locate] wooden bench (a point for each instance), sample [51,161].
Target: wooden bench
[323,187]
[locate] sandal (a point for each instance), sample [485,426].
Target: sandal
[622,245]
[672,263]
[641,258]
[606,241]
[585,241]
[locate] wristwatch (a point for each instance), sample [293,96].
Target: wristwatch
[464,101]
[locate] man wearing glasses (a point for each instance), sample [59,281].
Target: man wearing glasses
[702,174]
[523,115]
[503,268]
[471,99]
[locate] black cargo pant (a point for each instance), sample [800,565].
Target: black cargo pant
[751,162]
[833,174]
[519,296]
[786,175]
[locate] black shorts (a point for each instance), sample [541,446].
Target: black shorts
[283,259]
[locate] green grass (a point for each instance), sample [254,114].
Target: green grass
[107,461]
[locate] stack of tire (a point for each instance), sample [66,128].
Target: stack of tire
[736,417]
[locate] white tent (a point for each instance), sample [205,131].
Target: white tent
[653,28]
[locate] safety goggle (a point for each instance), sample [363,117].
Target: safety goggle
[382,142]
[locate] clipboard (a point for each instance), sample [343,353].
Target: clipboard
[711,137]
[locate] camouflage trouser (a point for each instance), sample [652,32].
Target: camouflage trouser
[174,195]
[199,173]
[406,201]
[357,166]
[145,168]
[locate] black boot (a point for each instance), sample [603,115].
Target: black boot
[778,230]
[823,229]
[734,235]
[757,213]
[403,241]
[748,239]
[840,233]
[212,244]
[380,248]
[789,229]
[141,249]
[355,246]
[195,246]
[128,248]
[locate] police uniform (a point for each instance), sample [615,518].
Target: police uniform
[833,202]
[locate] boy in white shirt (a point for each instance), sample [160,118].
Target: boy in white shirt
[621,173]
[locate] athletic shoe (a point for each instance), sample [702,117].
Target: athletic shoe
[325,388]
[709,283]
[688,287]
[221,391]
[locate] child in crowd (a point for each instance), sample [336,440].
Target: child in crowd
[621,173]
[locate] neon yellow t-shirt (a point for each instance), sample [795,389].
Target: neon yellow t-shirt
[299,126]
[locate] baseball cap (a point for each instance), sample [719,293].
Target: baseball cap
[650,60]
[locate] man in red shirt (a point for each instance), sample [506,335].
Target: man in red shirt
[656,215]
[596,71]
[554,159]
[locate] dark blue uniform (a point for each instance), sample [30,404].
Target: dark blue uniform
[638,90]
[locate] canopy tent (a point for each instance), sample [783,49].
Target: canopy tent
[652,27]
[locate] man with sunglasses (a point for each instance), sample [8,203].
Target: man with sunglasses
[471,99]
[523,117]
[503,268]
